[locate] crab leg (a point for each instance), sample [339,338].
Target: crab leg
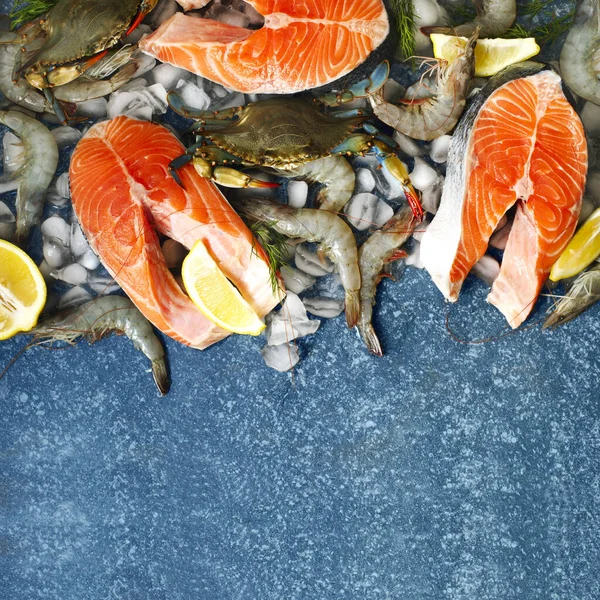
[361,89]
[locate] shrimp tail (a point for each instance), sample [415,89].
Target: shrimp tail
[161,375]
[367,332]
[352,307]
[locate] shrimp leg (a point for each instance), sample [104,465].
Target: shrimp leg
[378,249]
[334,237]
[41,160]
[429,118]
[100,317]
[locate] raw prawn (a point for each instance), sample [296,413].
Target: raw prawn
[494,18]
[41,160]
[429,118]
[18,91]
[380,248]
[97,319]
[334,237]
[584,292]
[578,61]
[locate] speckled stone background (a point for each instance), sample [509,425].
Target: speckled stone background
[442,471]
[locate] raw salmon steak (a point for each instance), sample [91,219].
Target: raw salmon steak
[303,44]
[520,144]
[123,194]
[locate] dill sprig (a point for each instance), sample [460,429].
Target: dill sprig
[405,25]
[462,13]
[544,34]
[275,246]
[24,11]
[534,7]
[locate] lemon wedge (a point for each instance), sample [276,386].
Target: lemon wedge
[581,251]
[215,296]
[491,55]
[22,291]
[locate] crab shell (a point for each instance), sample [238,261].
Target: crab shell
[283,133]
[75,30]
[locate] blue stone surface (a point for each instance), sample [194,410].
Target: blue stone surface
[445,470]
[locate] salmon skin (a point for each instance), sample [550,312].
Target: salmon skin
[519,144]
[123,194]
[304,44]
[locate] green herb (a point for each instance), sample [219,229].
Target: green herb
[534,7]
[275,246]
[405,25]
[463,13]
[23,12]
[544,34]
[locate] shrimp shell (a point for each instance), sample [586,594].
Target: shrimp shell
[99,317]
[380,248]
[41,160]
[430,118]
[334,237]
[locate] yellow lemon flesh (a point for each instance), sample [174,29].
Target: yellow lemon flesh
[22,291]
[215,296]
[491,55]
[581,251]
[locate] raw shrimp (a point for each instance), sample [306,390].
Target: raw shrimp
[99,317]
[380,248]
[494,18]
[429,118]
[41,160]
[337,179]
[18,90]
[334,237]
[584,292]
[578,60]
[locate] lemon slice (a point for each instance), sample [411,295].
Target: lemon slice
[22,291]
[491,55]
[215,296]
[581,251]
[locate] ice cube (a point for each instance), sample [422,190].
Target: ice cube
[414,258]
[297,192]
[57,228]
[383,213]
[96,108]
[312,263]
[192,95]
[89,260]
[590,117]
[296,281]
[102,285]
[6,215]
[420,230]
[74,274]
[365,182]
[140,104]
[430,198]
[7,223]
[360,210]
[74,297]
[136,34]
[168,76]
[62,186]
[14,153]
[407,144]
[56,254]
[328,308]
[290,322]
[438,151]
[423,175]
[66,136]
[281,358]
[77,242]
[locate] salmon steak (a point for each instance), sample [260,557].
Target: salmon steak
[303,44]
[520,144]
[123,194]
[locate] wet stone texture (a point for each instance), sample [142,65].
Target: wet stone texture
[443,471]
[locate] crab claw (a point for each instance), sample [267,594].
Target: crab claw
[361,89]
[236,179]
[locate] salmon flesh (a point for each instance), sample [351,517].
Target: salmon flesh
[519,144]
